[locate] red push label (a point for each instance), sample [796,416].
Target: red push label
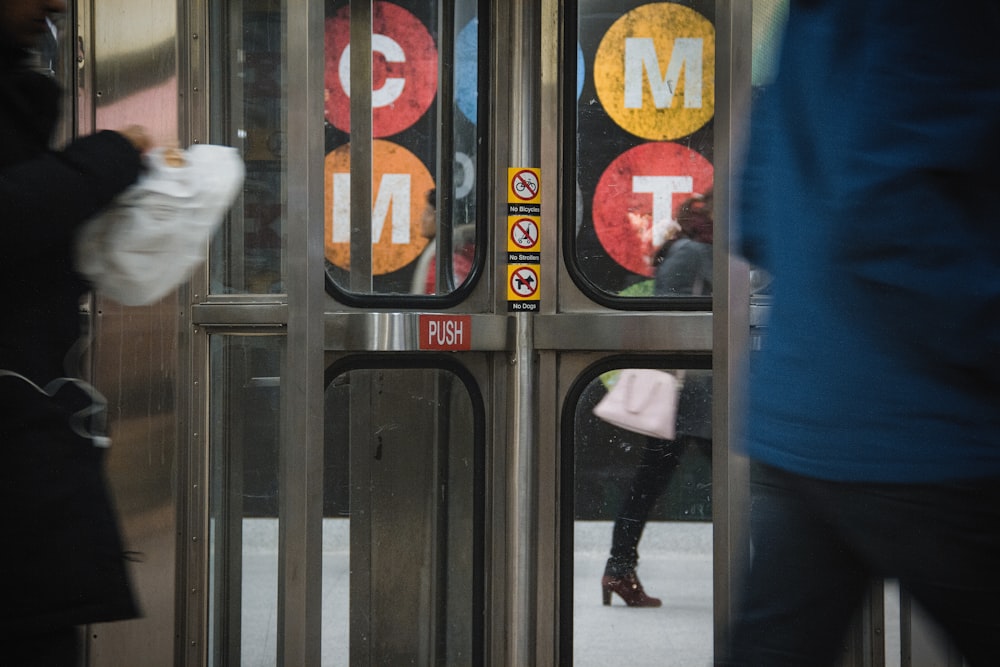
[445,332]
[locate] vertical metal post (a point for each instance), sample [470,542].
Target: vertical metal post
[730,316]
[444,280]
[361,386]
[83,53]
[361,146]
[522,493]
[554,30]
[522,489]
[300,463]
[864,645]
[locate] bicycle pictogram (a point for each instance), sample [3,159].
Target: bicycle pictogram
[524,185]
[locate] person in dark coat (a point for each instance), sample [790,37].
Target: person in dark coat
[62,562]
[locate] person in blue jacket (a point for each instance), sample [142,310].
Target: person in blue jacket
[871,195]
[62,563]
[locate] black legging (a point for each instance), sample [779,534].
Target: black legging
[659,461]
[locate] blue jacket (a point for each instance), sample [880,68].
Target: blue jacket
[871,193]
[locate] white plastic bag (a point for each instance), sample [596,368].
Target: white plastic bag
[156,233]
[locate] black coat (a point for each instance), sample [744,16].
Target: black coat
[62,558]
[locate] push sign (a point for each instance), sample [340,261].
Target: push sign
[445,332]
[524,211]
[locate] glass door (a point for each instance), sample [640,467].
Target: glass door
[344,509]
[639,247]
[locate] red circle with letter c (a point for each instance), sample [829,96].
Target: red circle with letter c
[404,69]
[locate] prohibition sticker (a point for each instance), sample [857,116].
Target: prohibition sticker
[522,282]
[524,185]
[524,234]
[654,71]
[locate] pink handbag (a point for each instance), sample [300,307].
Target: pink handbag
[642,400]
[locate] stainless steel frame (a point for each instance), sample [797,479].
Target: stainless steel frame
[731,303]
[300,464]
[522,400]
[125,57]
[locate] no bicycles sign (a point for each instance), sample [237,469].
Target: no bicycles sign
[524,186]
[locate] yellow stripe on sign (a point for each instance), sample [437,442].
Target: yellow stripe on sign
[655,71]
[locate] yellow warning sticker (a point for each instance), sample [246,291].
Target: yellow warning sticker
[522,287]
[523,234]
[524,185]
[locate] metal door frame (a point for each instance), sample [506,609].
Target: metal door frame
[523,349]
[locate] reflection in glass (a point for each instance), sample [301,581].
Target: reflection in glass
[243,500]
[644,136]
[425,138]
[424,149]
[769,18]
[636,494]
[247,254]
[402,526]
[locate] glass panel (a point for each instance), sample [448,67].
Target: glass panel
[403,478]
[630,486]
[645,109]
[425,112]
[247,110]
[243,500]
[768,21]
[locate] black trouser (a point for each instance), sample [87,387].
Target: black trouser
[816,545]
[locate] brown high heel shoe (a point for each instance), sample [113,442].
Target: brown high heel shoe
[629,589]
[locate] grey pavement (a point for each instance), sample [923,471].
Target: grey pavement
[675,565]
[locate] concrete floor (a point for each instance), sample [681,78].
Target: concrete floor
[676,565]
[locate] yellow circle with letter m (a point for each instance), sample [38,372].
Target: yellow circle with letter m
[655,71]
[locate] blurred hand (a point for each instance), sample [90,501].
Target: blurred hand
[672,230]
[138,136]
